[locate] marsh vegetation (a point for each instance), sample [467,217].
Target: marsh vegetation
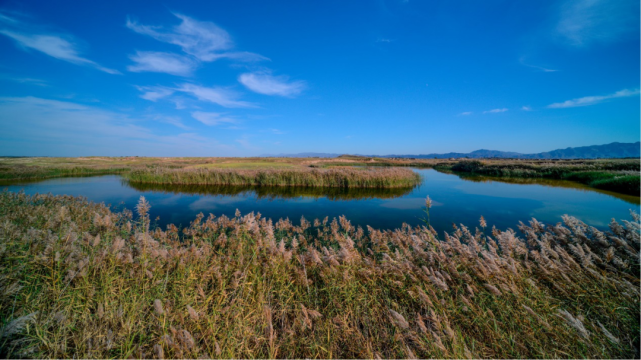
[304,177]
[79,280]
[619,175]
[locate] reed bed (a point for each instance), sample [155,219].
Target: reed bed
[80,281]
[304,177]
[619,175]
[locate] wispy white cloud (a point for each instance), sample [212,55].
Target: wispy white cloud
[217,95]
[537,67]
[582,22]
[179,103]
[592,100]
[204,40]
[161,62]
[495,111]
[173,120]
[526,108]
[25,80]
[267,84]
[384,40]
[154,93]
[61,47]
[465,113]
[8,20]
[211,118]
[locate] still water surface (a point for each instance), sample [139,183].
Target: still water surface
[455,200]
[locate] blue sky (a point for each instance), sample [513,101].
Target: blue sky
[242,78]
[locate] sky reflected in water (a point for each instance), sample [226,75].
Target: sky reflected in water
[455,200]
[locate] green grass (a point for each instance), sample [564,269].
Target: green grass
[79,281]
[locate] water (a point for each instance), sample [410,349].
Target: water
[455,200]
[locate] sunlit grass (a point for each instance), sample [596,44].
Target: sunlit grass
[244,165]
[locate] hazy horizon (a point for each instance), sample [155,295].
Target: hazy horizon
[368,77]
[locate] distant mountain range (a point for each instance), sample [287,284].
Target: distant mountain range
[607,151]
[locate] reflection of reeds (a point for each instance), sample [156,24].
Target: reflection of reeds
[25,173]
[562,183]
[304,177]
[615,175]
[77,280]
[276,192]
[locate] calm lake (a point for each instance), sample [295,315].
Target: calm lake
[455,200]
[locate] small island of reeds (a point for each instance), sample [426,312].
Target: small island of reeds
[303,177]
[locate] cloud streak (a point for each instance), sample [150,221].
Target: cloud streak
[217,95]
[583,22]
[592,100]
[61,47]
[495,111]
[152,61]
[211,118]
[203,40]
[154,93]
[267,84]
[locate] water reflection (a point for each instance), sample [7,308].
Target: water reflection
[274,192]
[460,200]
[546,182]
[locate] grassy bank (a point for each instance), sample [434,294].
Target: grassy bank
[80,281]
[304,177]
[615,175]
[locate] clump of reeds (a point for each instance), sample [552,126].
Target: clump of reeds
[79,281]
[303,177]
